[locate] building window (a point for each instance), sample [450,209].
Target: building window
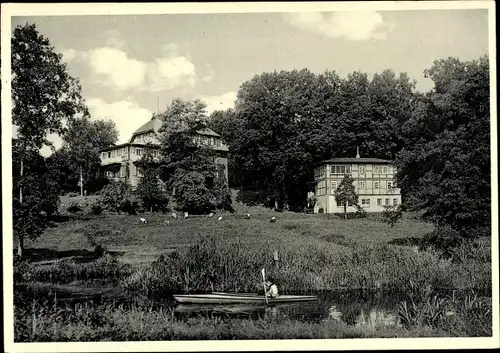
[122,172]
[340,169]
[139,172]
[389,184]
[319,172]
[334,187]
[395,202]
[138,151]
[342,203]
[387,202]
[321,188]
[361,185]
[376,184]
[361,169]
[365,202]
[379,202]
[384,170]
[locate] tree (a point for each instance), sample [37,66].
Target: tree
[444,169]
[44,96]
[150,188]
[82,141]
[186,165]
[346,193]
[271,149]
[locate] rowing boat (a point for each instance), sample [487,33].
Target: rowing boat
[234,298]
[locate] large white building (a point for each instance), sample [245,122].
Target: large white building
[373,181]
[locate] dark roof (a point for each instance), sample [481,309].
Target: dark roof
[150,126]
[109,148]
[356,161]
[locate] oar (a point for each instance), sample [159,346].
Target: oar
[264,283]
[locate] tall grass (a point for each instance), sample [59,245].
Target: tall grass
[68,270]
[213,264]
[43,323]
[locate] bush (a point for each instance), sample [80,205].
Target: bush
[392,214]
[151,193]
[96,208]
[74,207]
[119,197]
[73,194]
[442,239]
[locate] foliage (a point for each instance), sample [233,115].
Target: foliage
[96,208]
[346,194]
[74,207]
[118,197]
[40,197]
[150,189]
[187,166]
[392,214]
[438,171]
[81,144]
[44,95]
[443,239]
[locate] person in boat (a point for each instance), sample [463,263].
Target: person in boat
[271,288]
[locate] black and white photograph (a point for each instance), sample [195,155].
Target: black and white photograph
[249,176]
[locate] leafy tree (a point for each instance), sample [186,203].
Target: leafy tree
[186,165]
[44,96]
[150,188]
[444,169]
[227,124]
[346,193]
[82,142]
[272,146]
[118,196]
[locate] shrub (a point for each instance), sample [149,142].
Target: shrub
[96,208]
[392,214]
[151,193]
[74,207]
[119,197]
[443,239]
[73,194]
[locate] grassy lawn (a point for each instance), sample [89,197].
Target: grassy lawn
[138,242]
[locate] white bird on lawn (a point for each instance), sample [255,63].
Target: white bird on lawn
[247,216]
[210,215]
[167,223]
[273,220]
[143,220]
[220,218]
[174,215]
[185,215]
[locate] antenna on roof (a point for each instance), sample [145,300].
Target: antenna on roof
[357,151]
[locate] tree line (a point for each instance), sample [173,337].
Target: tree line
[282,125]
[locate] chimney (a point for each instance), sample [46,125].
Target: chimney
[357,152]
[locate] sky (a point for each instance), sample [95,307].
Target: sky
[129,65]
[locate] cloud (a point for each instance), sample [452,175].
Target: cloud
[69,55]
[126,114]
[117,68]
[113,67]
[220,102]
[169,73]
[113,39]
[352,25]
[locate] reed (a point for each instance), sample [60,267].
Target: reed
[87,323]
[213,264]
[68,270]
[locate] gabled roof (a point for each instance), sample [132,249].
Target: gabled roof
[154,124]
[356,161]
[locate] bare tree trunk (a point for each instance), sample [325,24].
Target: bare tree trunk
[345,210]
[81,182]
[20,245]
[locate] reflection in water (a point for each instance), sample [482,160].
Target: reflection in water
[355,308]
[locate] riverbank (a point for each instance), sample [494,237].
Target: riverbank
[315,252]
